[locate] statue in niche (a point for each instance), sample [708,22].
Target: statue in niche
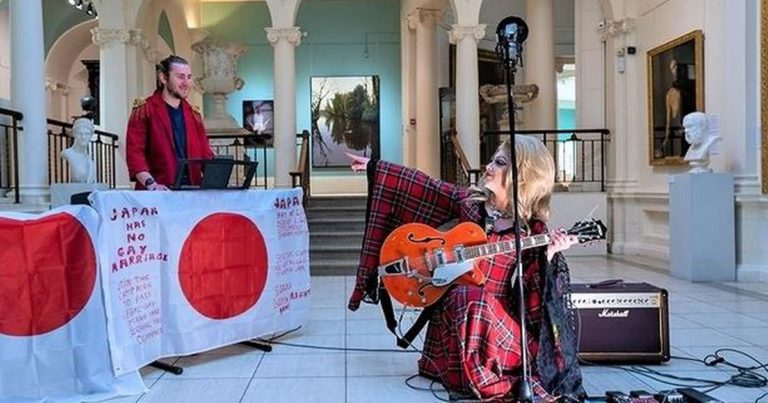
[82,169]
[701,134]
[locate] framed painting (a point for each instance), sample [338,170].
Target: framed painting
[345,119]
[258,118]
[675,89]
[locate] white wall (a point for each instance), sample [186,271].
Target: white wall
[5,54]
[638,196]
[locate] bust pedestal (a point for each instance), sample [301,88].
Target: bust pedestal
[61,193]
[702,244]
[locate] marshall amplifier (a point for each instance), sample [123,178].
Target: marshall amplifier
[622,322]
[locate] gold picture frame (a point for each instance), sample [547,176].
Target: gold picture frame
[675,88]
[764,95]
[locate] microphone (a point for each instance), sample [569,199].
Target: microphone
[511,33]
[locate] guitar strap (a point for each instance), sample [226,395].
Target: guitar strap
[389,316]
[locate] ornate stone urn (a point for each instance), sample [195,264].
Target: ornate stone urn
[219,79]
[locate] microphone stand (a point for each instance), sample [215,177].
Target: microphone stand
[525,391]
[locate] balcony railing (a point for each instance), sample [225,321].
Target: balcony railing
[579,154]
[10,125]
[249,147]
[103,150]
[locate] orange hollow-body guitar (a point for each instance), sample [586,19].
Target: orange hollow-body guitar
[412,252]
[418,263]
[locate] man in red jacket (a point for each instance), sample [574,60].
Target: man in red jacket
[163,129]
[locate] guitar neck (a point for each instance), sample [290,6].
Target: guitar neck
[490,249]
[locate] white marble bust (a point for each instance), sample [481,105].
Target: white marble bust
[701,134]
[81,166]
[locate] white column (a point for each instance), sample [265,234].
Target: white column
[539,55]
[284,41]
[28,97]
[427,136]
[117,87]
[467,99]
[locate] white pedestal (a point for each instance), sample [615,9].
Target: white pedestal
[62,192]
[702,245]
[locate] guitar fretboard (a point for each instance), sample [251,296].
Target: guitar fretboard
[490,249]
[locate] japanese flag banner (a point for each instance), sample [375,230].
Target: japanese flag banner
[189,271]
[53,329]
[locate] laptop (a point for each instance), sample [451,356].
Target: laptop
[216,173]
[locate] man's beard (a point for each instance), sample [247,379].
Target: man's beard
[176,94]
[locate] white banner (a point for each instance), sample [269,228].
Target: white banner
[184,272]
[53,330]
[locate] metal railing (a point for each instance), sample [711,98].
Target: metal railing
[249,147]
[9,152]
[456,168]
[103,149]
[579,154]
[300,177]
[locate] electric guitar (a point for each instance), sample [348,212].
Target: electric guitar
[418,263]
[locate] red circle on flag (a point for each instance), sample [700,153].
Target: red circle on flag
[223,266]
[47,274]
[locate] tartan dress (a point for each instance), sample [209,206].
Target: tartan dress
[473,339]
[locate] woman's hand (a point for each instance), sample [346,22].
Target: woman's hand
[358,163]
[559,240]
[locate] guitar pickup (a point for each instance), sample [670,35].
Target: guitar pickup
[398,267]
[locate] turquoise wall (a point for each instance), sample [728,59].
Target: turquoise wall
[164,31]
[566,118]
[345,38]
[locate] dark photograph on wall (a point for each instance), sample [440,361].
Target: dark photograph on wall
[675,89]
[258,119]
[345,119]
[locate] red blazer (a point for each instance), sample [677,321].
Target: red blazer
[149,141]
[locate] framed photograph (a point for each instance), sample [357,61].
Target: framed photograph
[345,119]
[675,89]
[258,119]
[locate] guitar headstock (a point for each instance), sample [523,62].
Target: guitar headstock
[588,230]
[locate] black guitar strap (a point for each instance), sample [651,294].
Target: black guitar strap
[389,317]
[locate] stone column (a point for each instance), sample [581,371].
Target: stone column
[28,97]
[467,103]
[539,54]
[117,88]
[284,42]
[424,22]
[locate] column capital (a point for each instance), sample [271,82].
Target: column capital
[426,16]
[291,34]
[135,37]
[459,32]
[103,36]
[612,29]
[54,86]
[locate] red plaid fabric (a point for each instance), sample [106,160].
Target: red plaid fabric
[398,195]
[473,339]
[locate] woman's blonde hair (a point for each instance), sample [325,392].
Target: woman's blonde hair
[536,170]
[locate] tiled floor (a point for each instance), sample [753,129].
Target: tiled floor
[704,317]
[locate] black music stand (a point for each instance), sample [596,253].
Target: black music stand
[216,173]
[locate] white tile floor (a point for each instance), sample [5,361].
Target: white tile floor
[704,317]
